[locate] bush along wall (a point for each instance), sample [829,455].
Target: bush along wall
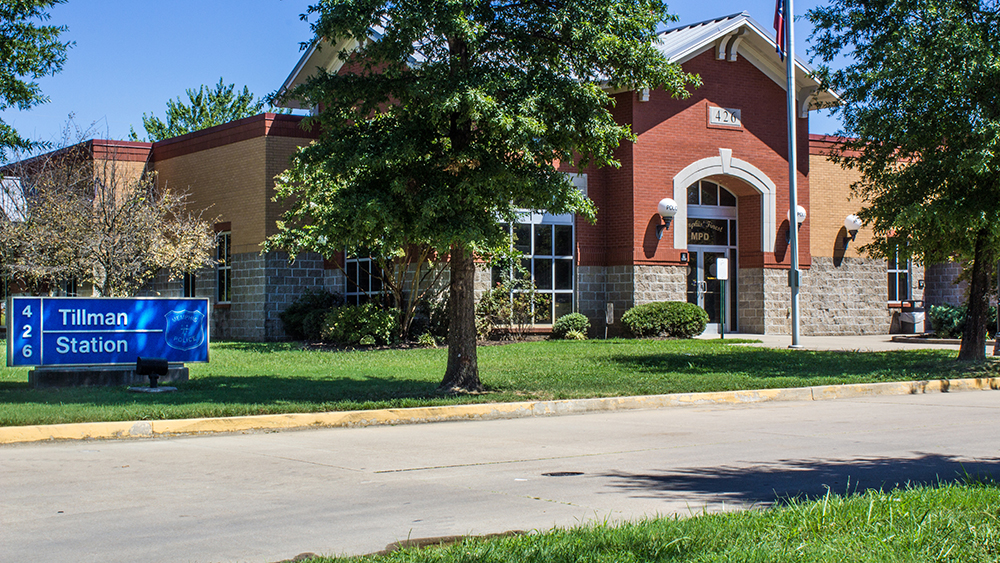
[365,325]
[573,322]
[675,319]
[303,319]
[948,321]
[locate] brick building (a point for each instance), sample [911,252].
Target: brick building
[720,154]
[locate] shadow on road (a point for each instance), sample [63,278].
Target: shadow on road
[770,483]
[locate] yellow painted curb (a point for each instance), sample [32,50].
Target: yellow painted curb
[489,411]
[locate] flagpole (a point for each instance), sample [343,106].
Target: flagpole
[794,275]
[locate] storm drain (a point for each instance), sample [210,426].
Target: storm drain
[562,474]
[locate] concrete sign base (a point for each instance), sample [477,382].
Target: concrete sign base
[109,376]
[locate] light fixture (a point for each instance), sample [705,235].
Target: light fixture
[800,217]
[852,224]
[667,208]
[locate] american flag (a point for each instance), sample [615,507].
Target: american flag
[779,27]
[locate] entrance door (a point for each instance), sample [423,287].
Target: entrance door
[704,288]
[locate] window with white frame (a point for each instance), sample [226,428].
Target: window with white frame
[364,280]
[546,244]
[899,279]
[224,267]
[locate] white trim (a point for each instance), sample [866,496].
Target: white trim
[725,165]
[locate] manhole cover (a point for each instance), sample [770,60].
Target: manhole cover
[562,474]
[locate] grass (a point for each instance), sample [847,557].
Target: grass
[263,378]
[948,522]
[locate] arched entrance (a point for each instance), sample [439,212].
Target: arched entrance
[712,253]
[706,225]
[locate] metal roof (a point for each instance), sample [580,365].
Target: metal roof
[731,36]
[740,35]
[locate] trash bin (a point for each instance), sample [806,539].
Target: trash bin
[912,321]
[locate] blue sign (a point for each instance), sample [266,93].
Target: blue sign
[76,331]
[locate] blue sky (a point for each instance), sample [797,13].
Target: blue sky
[131,56]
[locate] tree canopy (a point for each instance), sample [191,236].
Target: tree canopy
[204,108]
[455,115]
[920,107]
[28,51]
[82,213]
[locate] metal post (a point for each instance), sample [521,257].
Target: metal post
[793,231]
[722,321]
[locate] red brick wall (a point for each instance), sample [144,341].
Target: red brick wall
[672,134]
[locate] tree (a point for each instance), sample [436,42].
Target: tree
[205,108]
[457,116]
[83,213]
[920,105]
[28,51]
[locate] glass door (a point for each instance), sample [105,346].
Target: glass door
[704,288]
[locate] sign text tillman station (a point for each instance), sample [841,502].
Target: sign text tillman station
[76,331]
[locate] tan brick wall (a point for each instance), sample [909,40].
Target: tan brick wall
[279,154]
[230,181]
[830,190]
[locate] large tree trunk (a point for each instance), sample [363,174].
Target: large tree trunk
[462,374]
[974,336]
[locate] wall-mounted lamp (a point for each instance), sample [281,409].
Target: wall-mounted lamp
[684,257]
[852,224]
[667,209]
[800,217]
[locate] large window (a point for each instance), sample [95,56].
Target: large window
[899,279]
[225,266]
[546,245]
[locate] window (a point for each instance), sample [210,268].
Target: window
[225,266]
[68,289]
[364,280]
[710,194]
[190,284]
[899,279]
[546,245]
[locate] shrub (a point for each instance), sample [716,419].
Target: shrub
[350,324]
[574,335]
[505,313]
[666,318]
[573,322]
[293,319]
[427,340]
[367,340]
[948,321]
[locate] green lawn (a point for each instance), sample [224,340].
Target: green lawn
[260,378]
[950,522]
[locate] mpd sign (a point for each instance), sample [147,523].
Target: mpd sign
[75,331]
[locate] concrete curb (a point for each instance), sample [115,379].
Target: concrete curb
[921,340]
[490,411]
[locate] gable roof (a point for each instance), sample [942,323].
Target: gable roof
[325,55]
[738,35]
[729,36]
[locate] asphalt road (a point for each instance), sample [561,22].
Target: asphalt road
[264,497]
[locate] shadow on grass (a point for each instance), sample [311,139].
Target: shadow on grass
[804,479]
[247,390]
[770,363]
